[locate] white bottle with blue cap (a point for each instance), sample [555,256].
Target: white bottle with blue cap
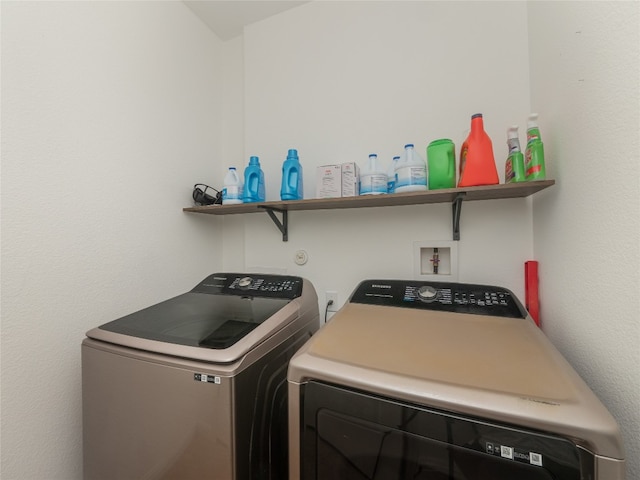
[232,191]
[391,175]
[373,179]
[411,171]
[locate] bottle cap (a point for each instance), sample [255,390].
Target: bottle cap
[409,145]
[292,153]
[254,161]
[532,120]
[373,155]
[512,132]
[476,115]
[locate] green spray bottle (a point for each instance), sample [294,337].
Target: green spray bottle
[534,153]
[514,166]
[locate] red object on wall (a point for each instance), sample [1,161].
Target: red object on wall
[532,303]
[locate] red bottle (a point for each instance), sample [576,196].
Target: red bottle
[477,164]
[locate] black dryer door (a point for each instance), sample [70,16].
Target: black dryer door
[350,435]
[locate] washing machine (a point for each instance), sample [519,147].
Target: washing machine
[195,387]
[427,380]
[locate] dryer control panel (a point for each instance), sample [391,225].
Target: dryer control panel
[254,285]
[447,297]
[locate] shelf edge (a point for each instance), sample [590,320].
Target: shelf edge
[487,192]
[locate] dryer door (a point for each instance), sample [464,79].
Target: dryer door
[352,435]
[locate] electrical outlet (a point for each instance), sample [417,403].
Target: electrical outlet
[332,296]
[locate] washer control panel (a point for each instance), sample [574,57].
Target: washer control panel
[258,285]
[448,297]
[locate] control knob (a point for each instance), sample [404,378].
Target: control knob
[427,293]
[245,282]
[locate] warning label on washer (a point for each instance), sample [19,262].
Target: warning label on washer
[203,377]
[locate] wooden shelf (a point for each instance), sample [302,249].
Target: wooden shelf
[455,196]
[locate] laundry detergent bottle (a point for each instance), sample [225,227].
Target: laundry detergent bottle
[292,187]
[441,163]
[477,163]
[253,190]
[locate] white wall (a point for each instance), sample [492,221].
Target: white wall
[340,80]
[126,101]
[232,141]
[585,82]
[111,111]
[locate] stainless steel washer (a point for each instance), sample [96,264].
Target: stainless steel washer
[195,387]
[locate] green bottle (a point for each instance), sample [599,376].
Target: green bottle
[441,163]
[514,166]
[534,153]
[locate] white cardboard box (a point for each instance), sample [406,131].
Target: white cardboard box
[329,181]
[350,179]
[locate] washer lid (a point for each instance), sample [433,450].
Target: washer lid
[218,313]
[198,320]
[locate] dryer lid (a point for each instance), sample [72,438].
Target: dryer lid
[472,351]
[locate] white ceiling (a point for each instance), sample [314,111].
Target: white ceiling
[227,18]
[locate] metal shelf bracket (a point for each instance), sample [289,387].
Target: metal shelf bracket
[283,225]
[456,208]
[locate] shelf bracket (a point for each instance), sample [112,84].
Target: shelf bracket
[456,208]
[283,225]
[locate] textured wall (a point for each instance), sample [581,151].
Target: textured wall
[585,82]
[122,103]
[110,113]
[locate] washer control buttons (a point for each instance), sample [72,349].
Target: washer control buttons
[245,282]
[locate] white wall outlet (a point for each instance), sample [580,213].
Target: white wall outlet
[301,257]
[435,260]
[331,295]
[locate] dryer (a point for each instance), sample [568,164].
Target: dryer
[195,387]
[426,380]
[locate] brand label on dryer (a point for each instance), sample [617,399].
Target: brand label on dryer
[204,378]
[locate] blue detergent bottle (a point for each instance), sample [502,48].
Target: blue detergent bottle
[292,177]
[253,182]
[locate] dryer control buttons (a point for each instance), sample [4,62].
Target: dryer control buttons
[443,296]
[427,293]
[245,282]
